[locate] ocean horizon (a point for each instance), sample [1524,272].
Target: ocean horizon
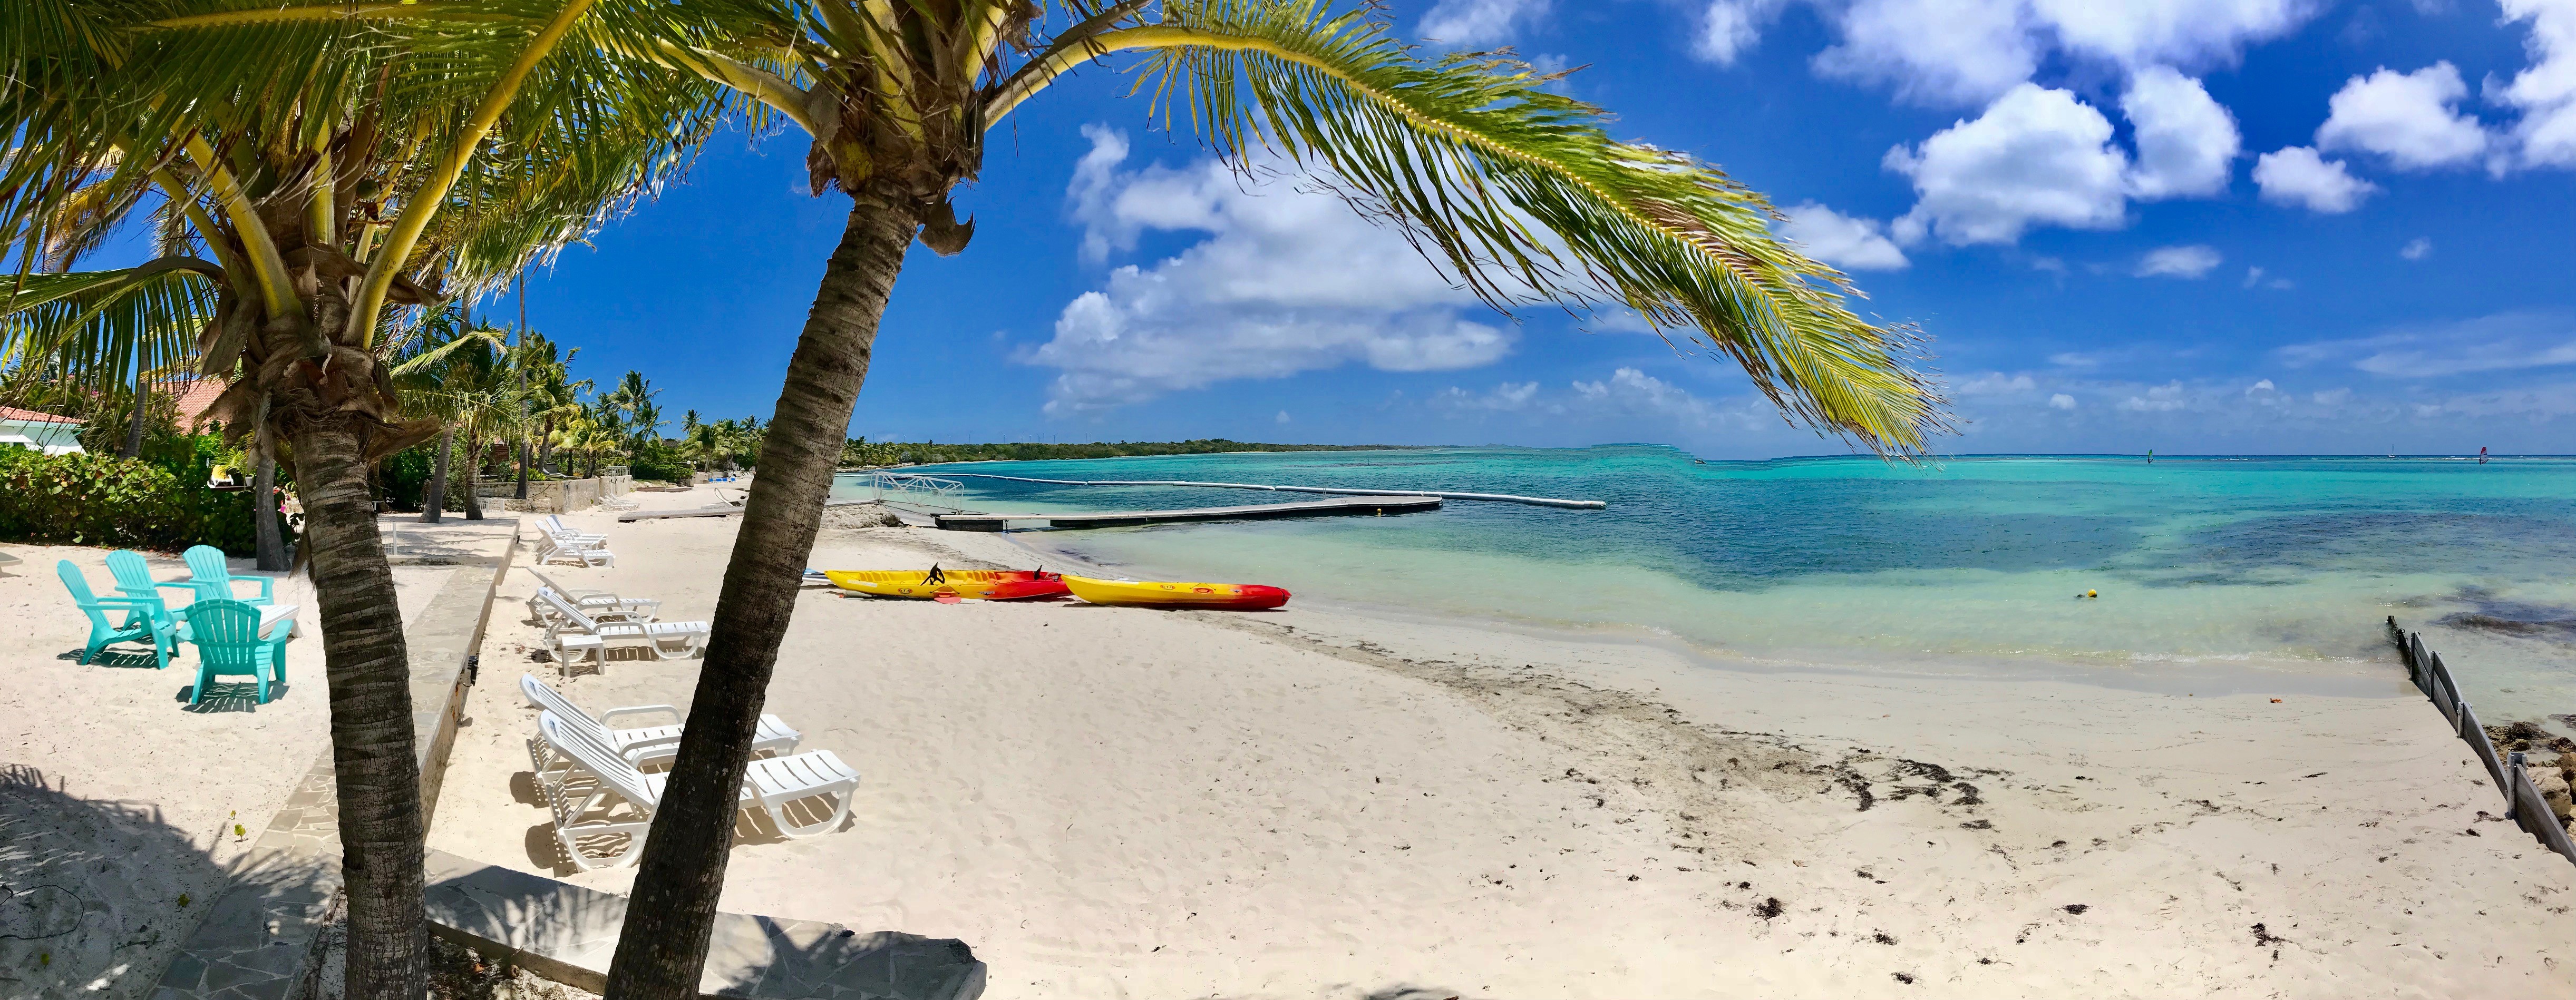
[2232,571]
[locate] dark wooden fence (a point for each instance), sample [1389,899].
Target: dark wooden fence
[2522,798]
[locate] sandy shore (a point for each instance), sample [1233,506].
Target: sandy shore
[1111,802]
[118,797]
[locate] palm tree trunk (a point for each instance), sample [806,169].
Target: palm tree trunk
[434,499]
[473,478]
[268,540]
[663,948]
[134,421]
[371,725]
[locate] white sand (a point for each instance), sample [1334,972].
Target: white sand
[1110,802]
[141,789]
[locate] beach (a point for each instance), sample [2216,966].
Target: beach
[1329,802]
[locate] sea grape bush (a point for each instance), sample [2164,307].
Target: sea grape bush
[86,499]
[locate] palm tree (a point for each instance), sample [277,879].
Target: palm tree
[342,164]
[1516,189]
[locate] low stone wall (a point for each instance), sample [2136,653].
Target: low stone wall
[556,496]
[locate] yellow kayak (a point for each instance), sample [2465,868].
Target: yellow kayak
[956,584]
[1176,594]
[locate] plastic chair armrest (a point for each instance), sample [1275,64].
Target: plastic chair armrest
[639,749]
[617,713]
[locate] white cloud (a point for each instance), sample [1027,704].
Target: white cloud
[2061,401]
[1730,28]
[2546,91]
[1996,384]
[1847,242]
[1967,52]
[1287,280]
[1941,52]
[1507,397]
[1281,418]
[2035,156]
[1475,23]
[2298,176]
[2187,143]
[2192,261]
[2416,249]
[2511,341]
[1629,391]
[2262,386]
[2163,398]
[2254,277]
[2410,118]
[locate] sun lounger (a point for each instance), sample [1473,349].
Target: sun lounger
[607,610]
[591,550]
[666,640]
[145,619]
[611,799]
[213,578]
[633,608]
[640,746]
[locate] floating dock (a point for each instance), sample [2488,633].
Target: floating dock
[1122,518]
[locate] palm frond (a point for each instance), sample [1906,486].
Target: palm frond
[97,330]
[1526,198]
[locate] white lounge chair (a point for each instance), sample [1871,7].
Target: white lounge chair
[589,598]
[562,541]
[618,800]
[640,746]
[666,640]
[605,610]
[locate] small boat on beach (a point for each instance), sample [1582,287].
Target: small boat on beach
[1173,594]
[955,584]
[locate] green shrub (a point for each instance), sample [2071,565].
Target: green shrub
[84,499]
[659,465]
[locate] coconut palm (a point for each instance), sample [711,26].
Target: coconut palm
[1516,189]
[342,165]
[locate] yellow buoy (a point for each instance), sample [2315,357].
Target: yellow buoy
[2092,593]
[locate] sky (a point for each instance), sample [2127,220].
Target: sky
[2196,226]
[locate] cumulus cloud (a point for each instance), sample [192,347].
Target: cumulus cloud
[2061,401]
[2416,249]
[2511,341]
[2298,176]
[2192,261]
[1286,280]
[1507,397]
[2037,156]
[1633,392]
[1996,384]
[1847,242]
[2410,118]
[2254,277]
[1730,28]
[1968,52]
[2163,398]
[2187,143]
[2546,91]
[1476,23]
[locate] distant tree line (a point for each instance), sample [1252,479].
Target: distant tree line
[863,452]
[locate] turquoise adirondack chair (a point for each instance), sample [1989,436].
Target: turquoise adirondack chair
[134,579]
[141,625]
[214,579]
[226,633]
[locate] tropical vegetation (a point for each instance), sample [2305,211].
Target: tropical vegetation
[350,168]
[859,451]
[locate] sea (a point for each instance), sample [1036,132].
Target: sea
[2216,574]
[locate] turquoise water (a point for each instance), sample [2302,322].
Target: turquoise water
[2203,564]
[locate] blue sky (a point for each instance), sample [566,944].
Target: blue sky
[2267,226]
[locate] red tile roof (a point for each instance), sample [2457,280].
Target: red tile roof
[33,417]
[194,396]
